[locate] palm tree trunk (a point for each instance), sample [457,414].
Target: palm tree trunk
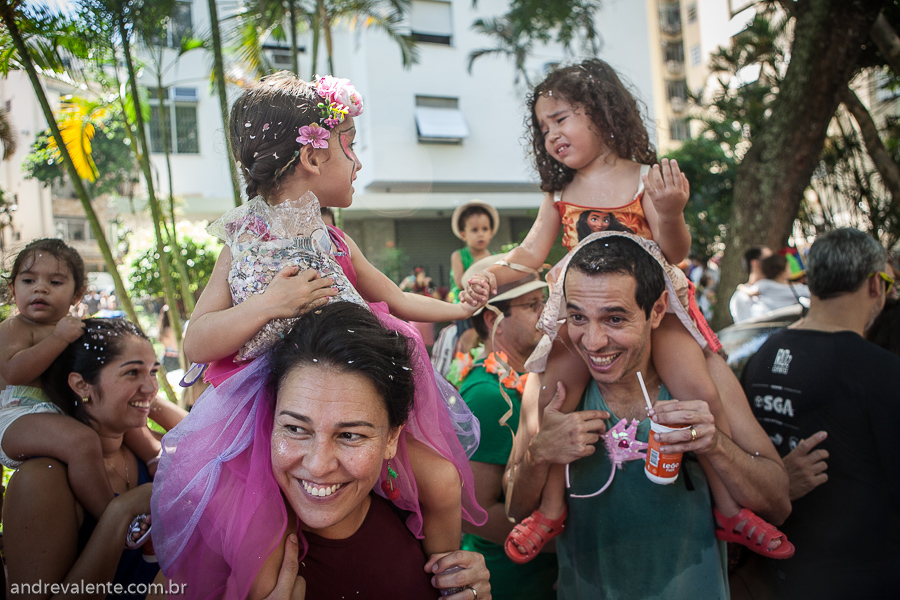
[186,295]
[295,63]
[326,28]
[77,183]
[164,128]
[158,219]
[316,26]
[219,71]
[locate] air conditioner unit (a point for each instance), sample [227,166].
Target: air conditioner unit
[674,66]
[182,94]
[281,58]
[678,104]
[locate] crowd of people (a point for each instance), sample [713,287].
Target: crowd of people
[593,442]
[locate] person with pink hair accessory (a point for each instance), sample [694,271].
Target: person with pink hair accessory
[282,261]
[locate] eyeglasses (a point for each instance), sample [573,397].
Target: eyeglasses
[535,306]
[888,280]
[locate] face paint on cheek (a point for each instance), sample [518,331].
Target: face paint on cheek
[348,152]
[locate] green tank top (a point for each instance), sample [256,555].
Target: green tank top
[466,255]
[638,539]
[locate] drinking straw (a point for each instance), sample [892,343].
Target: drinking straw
[644,389]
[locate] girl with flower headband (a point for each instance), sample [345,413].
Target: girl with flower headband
[294,142]
[594,156]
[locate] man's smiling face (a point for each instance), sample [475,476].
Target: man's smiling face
[606,324]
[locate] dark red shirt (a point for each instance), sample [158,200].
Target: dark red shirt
[382,560]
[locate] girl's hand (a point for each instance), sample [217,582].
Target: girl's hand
[667,188]
[69,329]
[472,579]
[467,310]
[292,291]
[479,288]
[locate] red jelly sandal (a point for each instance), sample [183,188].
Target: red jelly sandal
[755,535]
[530,534]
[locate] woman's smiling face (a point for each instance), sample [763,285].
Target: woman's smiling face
[329,441]
[121,398]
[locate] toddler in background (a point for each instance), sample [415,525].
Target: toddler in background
[476,224]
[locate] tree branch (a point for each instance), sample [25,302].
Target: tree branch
[887,40]
[887,168]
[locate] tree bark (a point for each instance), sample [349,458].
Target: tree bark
[775,172]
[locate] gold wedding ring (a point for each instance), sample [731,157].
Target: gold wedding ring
[693,434]
[474,593]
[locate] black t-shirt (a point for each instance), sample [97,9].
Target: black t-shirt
[847,530]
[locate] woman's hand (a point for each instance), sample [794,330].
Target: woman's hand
[290,586]
[473,576]
[293,291]
[132,503]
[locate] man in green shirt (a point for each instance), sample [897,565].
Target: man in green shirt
[517,307]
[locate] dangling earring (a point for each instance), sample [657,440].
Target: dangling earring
[387,486]
[86,399]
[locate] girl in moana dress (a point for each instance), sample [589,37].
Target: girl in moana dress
[599,172]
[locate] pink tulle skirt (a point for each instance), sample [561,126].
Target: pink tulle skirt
[218,512]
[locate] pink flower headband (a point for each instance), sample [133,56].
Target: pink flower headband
[341,100]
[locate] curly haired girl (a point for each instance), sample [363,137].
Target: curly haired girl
[594,156]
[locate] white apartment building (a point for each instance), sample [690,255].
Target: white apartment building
[432,137]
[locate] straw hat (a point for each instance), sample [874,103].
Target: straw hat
[454,220]
[506,291]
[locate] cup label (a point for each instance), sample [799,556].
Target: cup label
[665,466]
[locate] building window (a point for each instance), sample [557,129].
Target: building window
[180,108]
[73,229]
[439,120]
[677,93]
[674,51]
[178,26]
[677,89]
[695,55]
[679,130]
[670,18]
[431,22]
[692,12]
